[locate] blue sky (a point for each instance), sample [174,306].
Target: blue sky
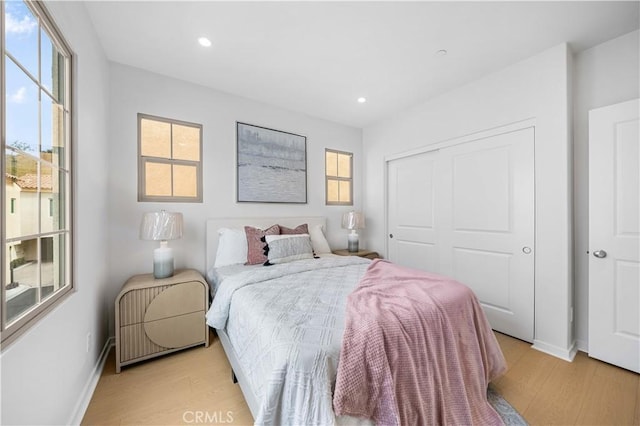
[22,104]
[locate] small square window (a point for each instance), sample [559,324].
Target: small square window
[170,167]
[339,177]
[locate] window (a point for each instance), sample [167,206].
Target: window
[169,167]
[36,140]
[339,175]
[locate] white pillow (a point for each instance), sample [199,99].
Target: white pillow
[288,248]
[318,240]
[232,247]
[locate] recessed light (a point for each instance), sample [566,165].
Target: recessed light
[205,42]
[362,100]
[441,52]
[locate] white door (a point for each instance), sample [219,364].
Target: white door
[467,211]
[614,229]
[411,217]
[487,219]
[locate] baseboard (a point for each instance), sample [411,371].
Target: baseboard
[566,354]
[92,382]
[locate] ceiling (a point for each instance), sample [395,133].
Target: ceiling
[320,57]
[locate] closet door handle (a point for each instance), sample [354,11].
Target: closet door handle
[526,250]
[390,235]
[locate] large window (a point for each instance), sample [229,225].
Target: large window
[36,140]
[339,178]
[169,167]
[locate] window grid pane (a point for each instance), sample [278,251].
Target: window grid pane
[157,179]
[345,191]
[21,106]
[21,35]
[333,191]
[344,165]
[22,276]
[184,181]
[155,138]
[21,184]
[52,126]
[332,164]
[48,64]
[186,143]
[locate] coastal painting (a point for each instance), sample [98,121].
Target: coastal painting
[272,165]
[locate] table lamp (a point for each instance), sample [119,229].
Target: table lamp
[161,226]
[353,221]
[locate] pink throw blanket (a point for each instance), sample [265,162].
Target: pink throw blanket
[417,350]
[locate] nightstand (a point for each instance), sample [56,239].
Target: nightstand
[158,316]
[362,253]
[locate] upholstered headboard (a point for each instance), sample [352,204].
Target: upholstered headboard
[213,224]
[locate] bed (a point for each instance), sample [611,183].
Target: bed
[282,326]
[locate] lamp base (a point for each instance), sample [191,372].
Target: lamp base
[352,242]
[163,261]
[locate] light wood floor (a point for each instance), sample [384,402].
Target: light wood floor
[196,384]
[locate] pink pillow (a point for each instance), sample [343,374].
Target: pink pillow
[256,243]
[300,229]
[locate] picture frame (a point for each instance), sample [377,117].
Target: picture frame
[271,165]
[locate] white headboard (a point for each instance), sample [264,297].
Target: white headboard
[213,224]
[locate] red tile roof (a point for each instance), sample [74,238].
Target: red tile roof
[30,181]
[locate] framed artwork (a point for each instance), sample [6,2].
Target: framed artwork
[271,165]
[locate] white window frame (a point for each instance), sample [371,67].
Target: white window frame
[11,331]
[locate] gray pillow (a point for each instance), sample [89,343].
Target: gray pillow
[288,248]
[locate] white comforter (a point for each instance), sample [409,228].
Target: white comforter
[285,323]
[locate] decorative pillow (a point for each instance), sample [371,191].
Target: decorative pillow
[300,229]
[256,243]
[318,241]
[287,248]
[232,247]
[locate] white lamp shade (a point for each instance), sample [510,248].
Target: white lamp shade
[353,220]
[161,226]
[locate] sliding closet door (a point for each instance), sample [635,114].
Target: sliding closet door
[485,218]
[467,211]
[411,215]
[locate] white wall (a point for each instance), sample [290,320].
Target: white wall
[536,88]
[133,91]
[606,74]
[46,371]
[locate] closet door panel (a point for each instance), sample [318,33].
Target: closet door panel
[481,192]
[493,282]
[411,216]
[486,220]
